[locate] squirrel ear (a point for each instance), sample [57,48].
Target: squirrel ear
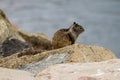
[74,22]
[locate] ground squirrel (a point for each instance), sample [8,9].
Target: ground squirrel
[65,37]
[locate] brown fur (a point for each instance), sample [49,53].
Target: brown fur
[65,37]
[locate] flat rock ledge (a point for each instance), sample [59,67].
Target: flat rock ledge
[105,70]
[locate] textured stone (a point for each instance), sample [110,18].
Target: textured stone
[37,40]
[107,70]
[6,29]
[13,46]
[36,67]
[86,53]
[10,74]
[14,61]
[75,53]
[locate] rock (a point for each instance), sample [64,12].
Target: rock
[107,70]
[9,31]
[14,61]
[15,27]
[36,67]
[74,53]
[37,40]
[86,78]
[84,53]
[10,74]
[12,46]
[6,29]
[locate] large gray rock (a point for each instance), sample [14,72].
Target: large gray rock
[107,70]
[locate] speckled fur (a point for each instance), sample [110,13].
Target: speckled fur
[65,37]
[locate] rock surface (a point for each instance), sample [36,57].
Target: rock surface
[14,61]
[88,53]
[8,32]
[107,70]
[74,53]
[37,40]
[36,67]
[13,46]
[6,29]
[10,74]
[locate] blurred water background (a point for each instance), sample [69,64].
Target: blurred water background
[100,18]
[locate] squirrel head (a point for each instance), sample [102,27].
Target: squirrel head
[76,28]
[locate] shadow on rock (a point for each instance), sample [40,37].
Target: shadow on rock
[12,46]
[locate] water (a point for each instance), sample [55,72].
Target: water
[100,18]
